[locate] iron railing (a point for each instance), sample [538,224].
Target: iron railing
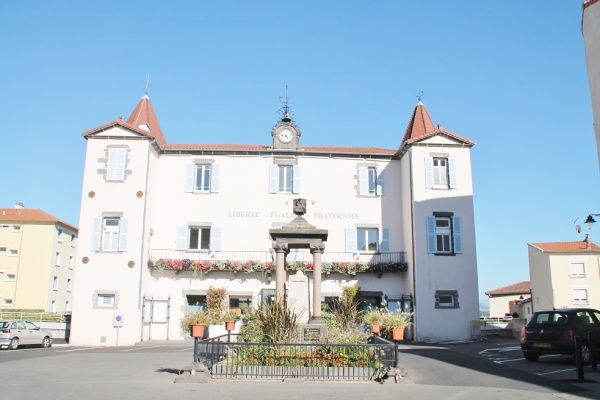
[225,359]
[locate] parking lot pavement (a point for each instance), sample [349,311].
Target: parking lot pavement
[149,371]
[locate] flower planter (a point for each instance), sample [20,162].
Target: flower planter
[197,330]
[229,325]
[397,334]
[376,328]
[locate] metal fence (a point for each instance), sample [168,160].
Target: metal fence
[226,359]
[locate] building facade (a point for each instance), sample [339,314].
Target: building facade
[161,223]
[590,26]
[37,260]
[503,299]
[564,274]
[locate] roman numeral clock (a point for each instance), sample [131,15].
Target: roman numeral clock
[286,134]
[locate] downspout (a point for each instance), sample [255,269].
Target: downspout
[19,265]
[412,218]
[140,299]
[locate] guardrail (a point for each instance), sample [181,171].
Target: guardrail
[35,316]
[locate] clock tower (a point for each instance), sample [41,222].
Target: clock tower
[286,134]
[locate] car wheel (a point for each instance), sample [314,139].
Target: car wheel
[46,342]
[531,357]
[14,344]
[585,353]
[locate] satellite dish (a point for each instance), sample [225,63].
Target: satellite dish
[578,228]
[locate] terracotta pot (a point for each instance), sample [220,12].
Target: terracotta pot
[376,328]
[229,325]
[197,330]
[397,334]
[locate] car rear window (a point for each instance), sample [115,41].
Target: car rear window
[553,318]
[4,324]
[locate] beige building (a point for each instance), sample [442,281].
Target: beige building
[502,299]
[37,260]
[564,274]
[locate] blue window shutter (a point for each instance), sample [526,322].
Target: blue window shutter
[296,182]
[385,240]
[189,178]
[215,180]
[181,238]
[428,172]
[457,234]
[273,178]
[363,181]
[380,182]
[96,229]
[452,173]
[215,238]
[350,240]
[430,234]
[123,233]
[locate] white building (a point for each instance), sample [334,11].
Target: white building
[564,274]
[153,211]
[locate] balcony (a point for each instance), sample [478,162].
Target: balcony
[264,261]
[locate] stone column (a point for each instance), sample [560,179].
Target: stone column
[281,249]
[317,251]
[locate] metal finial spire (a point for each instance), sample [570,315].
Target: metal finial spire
[147,85]
[285,110]
[420,95]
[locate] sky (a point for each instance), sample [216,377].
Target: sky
[509,75]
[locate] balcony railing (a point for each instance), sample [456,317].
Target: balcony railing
[264,261]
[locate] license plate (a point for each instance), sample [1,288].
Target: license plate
[542,345]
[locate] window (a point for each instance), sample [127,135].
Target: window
[16,228]
[580,295]
[69,283]
[198,238]
[370,181]
[115,165]
[440,172]
[71,262]
[73,237]
[59,234]
[364,239]
[8,303]
[444,234]
[3,249]
[284,178]
[11,277]
[57,259]
[446,299]
[13,253]
[53,306]
[109,234]
[67,306]
[55,283]
[577,269]
[106,300]
[202,177]
[367,239]
[1,275]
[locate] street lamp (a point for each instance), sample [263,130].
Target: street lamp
[590,221]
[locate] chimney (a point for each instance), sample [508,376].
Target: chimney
[588,241]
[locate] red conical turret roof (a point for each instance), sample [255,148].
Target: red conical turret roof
[420,124]
[144,117]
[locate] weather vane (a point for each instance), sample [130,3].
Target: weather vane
[285,110]
[147,85]
[420,95]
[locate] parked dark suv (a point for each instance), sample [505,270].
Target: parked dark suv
[554,331]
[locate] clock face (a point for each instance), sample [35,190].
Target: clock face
[285,135]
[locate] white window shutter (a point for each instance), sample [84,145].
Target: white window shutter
[123,233]
[297,179]
[430,226]
[457,234]
[385,240]
[351,240]
[428,172]
[452,173]
[363,181]
[215,180]
[273,178]
[181,237]
[96,229]
[215,238]
[115,166]
[188,185]
[380,182]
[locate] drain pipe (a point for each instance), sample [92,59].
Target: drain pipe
[412,218]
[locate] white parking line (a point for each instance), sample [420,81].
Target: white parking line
[555,372]
[500,349]
[78,349]
[143,348]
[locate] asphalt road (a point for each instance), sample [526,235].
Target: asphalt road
[489,369]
